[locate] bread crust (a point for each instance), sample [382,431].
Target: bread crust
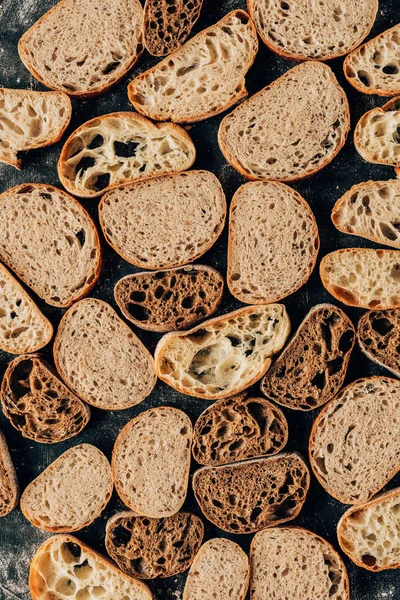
[6,460]
[392,103]
[364,348]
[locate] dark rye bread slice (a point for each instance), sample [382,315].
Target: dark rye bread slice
[248,496]
[378,334]
[9,488]
[312,367]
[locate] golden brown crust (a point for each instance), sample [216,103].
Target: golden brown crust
[11,481]
[393,102]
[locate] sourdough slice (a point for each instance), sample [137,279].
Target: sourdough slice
[169,300]
[377,137]
[81,47]
[164,221]
[260,144]
[148,548]
[312,367]
[225,355]
[151,461]
[248,496]
[273,242]
[355,440]
[50,241]
[9,488]
[38,404]
[101,359]
[378,335]
[202,78]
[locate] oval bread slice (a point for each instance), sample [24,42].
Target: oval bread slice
[9,488]
[378,335]
[376,135]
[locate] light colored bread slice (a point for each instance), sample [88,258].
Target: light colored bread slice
[119,148]
[151,461]
[50,241]
[225,355]
[273,242]
[378,335]
[202,78]
[9,488]
[363,277]
[377,134]
[82,47]
[101,359]
[355,440]
[164,221]
[289,130]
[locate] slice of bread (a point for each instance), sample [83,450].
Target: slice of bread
[225,355]
[9,488]
[289,130]
[378,335]
[64,566]
[164,221]
[355,440]
[363,277]
[248,496]
[376,135]
[30,120]
[38,404]
[237,428]
[119,148]
[148,548]
[202,78]
[151,461]
[311,369]
[169,300]
[101,359]
[50,241]
[273,242]
[369,533]
[81,47]
[292,562]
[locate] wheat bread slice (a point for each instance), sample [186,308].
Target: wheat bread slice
[100,358]
[378,334]
[376,135]
[9,488]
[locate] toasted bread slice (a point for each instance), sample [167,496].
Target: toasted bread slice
[378,335]
[376,136]
[9,488]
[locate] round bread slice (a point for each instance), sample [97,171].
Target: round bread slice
[9,488]
[378,333]
[377,134]
[273,242]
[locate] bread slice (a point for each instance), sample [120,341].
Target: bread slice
[169,300]
[81,47]
[378,335]
[220,571]
[273,242]
[248,496]
[101,359]
[165,221]
[38,404]
[377,137]
[119,148]
[9,488]
[363,277]
[64,566]
[225,355]
[149,548]
[369,533]
[311,369]
[355,440]
[282,133]
[237,428]
[202,78]
[151,461]
[50,241]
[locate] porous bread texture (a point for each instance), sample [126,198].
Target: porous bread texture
[101,359]
[290,129]
[202,78]
[377,134]
[273,242]
[64,566]
[9,488]
[355,440]
[223,356]
[164,221]
[291,562]
[378,335]
[30,120]
[82,47]
[363,277]
[151,461]
[49,240]
[71,493]
[119,148]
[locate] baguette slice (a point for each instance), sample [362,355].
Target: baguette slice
[9,488]
[38,404]
[101,359]
[355,440]
[225,355]
[378,335]
[203,78]
[282,133]
[248,496]
[50,241]
[119,148]
[377,134]
[64,566]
